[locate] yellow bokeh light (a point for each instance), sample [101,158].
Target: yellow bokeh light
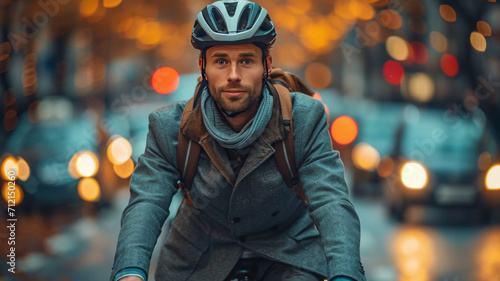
[24,169]
[448,13]
[152,34]
[493,178]
[111,3]
[365,157]
[361,9]
[124,170]
[83,164]
[414,175]
[318,75]
[397,48]
[486,259]
[484,28]
[88,7]
[298,6]
[478,41]
[421,87]
[412,251]
[438,41]
[343,10]
[12,194]
[89,189]
[119,150]
[287,50]
[10,168]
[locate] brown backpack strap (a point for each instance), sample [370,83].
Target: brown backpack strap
[188,152]
[285,150]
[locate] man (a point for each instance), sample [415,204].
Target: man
[243,217]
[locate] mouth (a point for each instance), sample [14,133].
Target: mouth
[234,93]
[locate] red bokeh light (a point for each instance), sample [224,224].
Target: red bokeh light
[449,64]
[165,80]
[393,72]
[420,53]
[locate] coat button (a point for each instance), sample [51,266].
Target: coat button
[235,220]
[275,213]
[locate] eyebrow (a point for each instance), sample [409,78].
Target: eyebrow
[242,55]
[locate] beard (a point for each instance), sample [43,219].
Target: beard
[235,104]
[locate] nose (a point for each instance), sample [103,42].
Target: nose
[233,75]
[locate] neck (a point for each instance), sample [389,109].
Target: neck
[239,121]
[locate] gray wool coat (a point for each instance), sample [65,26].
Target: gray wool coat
[255,210]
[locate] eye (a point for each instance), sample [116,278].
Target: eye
[220,61]
[246,61]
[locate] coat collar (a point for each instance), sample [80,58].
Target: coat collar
[195,129]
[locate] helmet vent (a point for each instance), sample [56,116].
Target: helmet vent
[231,8]
[243,23]
[219,21]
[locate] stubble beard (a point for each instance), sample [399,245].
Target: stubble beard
[235,104]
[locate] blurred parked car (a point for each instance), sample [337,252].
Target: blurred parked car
[442,160]
[54,153]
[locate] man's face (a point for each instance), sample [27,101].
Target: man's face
[234,74]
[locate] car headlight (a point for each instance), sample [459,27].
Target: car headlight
[492,179]
[413,175]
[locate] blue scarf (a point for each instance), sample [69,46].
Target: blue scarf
[225,135]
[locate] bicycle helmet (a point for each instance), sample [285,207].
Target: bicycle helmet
[231,22]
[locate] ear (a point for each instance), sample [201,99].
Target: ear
[200,63]
[269,60]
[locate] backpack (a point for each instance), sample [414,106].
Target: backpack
[280,83]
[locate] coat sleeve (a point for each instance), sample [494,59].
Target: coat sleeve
[152,187]
[322,174]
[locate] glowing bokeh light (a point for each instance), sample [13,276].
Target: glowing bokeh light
[365,157]
[385,167]
[111,3]
[397,48]
[89,189]
[448,13]
[449,65]
[484,161]
[344,130]
[165,80]
[493,177]
[124,170]
[484,28]
[86,164]
[119,150]
[420,53]
[88,7]
[13,193]
[478,41]
[421,87]
[318,75]
[24,169]
[393,72]
[10,168]
[413,175]
[391,19]
[438,41]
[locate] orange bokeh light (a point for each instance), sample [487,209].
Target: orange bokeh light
[165,80]
[344,130]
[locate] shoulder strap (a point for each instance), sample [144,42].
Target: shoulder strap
[188,151]
[285,150]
